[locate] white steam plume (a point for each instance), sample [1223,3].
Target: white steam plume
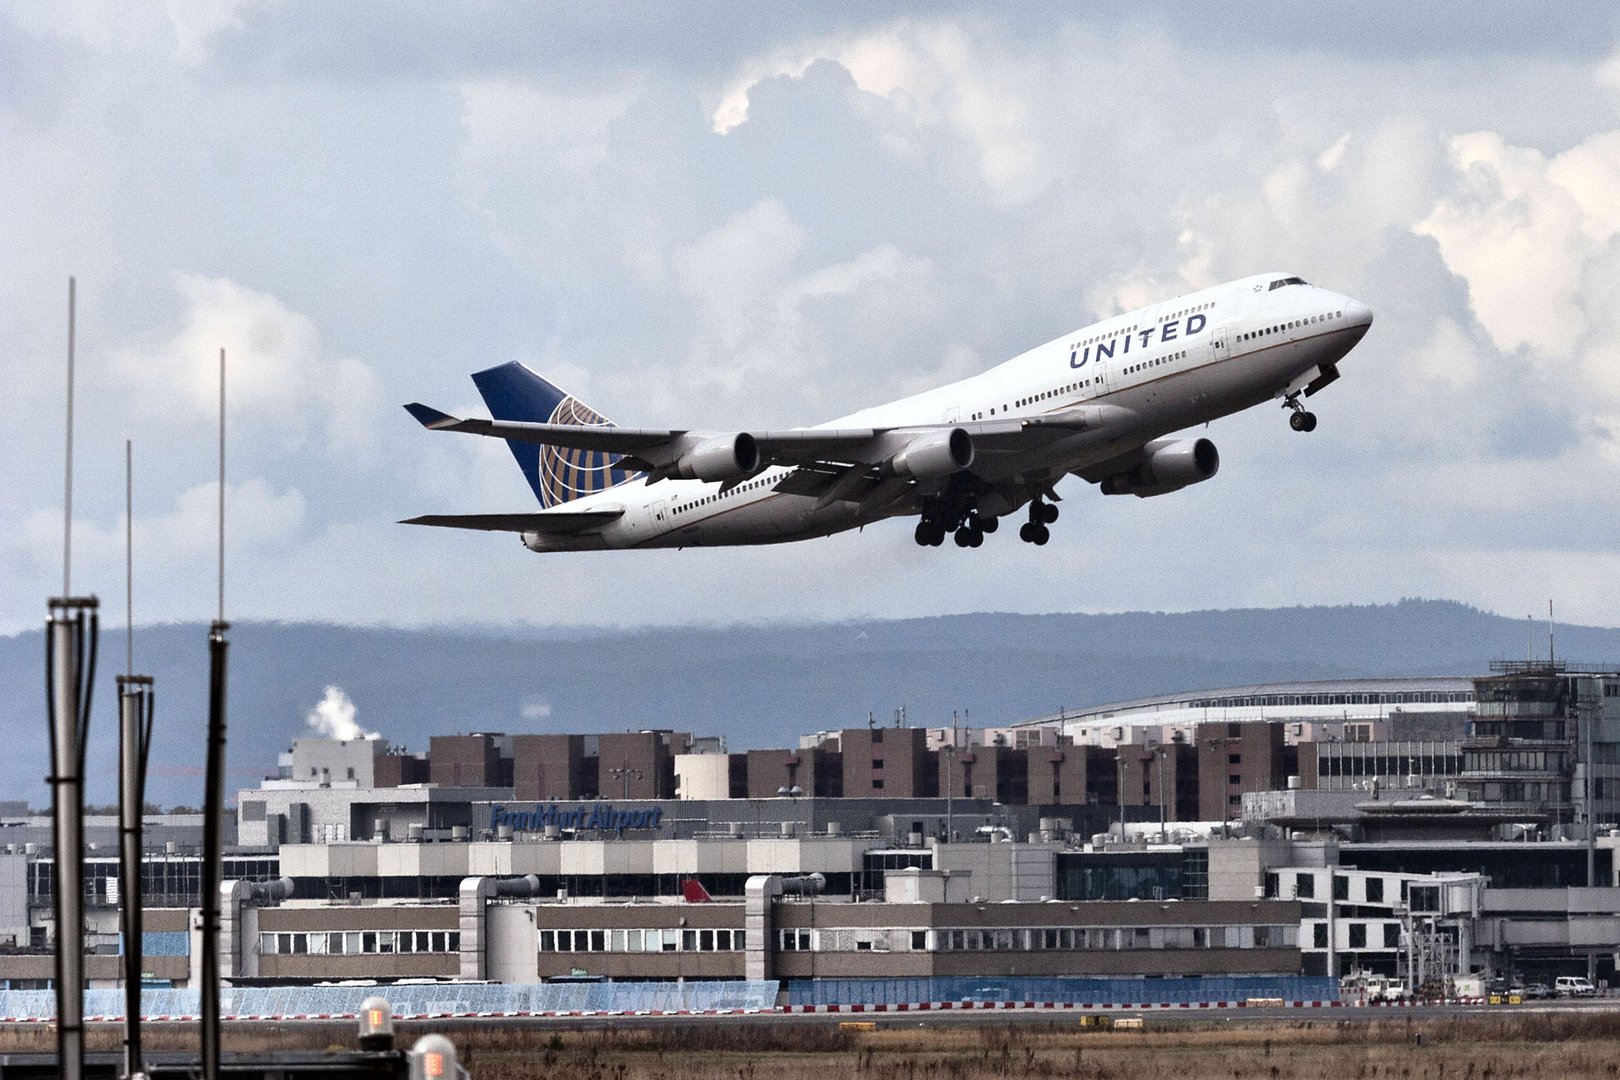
[333,718]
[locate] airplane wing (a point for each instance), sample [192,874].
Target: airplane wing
[651,448]
[551,521]
[656,448]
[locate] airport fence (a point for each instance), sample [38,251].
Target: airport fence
[416,1001]
[1057,991]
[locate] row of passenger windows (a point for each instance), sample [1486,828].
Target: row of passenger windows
[1182,355]
[1045,395]
[641,941]
[1187,311]
[359,942]
[1296,324]
[752,485]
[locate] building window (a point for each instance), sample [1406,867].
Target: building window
[1341,887]
[1358,935]
[1304,886]
[1319,935]
[1392,935]
[795,940]
[1375,890]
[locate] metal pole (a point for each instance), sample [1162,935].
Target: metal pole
[134,737]
[950,783]
[213,805]
[70,667]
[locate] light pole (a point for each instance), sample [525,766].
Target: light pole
[624,772]
[1160,754]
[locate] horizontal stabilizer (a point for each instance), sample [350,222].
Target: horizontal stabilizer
[429,417]
[551,521]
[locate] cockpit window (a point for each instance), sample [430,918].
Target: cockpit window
[1280,282]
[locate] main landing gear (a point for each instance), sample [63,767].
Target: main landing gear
[1041,514]
[957,515]
[1301,420]
[968,531]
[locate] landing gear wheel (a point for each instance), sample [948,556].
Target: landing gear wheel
[1049,513]
[1034,533]
[1310,422]
[922,534]
[1297,421]
[989,524]
[975,538]
[964,537]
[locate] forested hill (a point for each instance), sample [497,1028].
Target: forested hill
[756,685]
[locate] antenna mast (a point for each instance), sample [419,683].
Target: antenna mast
[72,633]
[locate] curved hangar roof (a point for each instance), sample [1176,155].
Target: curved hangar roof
[1331,699]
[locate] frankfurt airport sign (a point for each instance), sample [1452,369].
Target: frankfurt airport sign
[605,816]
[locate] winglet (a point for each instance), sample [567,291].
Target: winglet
[429,417]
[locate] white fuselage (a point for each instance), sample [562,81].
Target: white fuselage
[1152,371]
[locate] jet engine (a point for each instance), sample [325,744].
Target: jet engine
[1167,465]
[724,457]
[934,455]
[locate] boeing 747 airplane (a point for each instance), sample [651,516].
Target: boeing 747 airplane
[1101,403]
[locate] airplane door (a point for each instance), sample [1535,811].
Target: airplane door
[660,516]
[1220,348]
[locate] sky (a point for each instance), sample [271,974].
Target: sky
[769,215]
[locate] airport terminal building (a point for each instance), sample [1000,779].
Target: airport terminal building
[1429,827]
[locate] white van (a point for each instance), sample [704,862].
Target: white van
[1574,986]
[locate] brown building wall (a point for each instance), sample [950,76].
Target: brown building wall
[464,760]
[397,770]
[769,770]
[888,763]
[368,966]
[638,764]
[1307,766]
[551,767]
[997,773]
[1165,776]
[370,917]
[1233,759]
[1057,774]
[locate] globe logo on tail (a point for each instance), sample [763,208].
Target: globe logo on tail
[567,474]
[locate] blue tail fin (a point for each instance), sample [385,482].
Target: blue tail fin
[557,475]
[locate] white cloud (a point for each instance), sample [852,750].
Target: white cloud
[279,376]
[937,76]
[197,23]
[764,320]
[510,120]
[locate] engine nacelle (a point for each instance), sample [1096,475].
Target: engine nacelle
[934,455]
[1167,465]
[724,457]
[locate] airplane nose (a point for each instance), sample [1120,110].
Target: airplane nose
[1356,313]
